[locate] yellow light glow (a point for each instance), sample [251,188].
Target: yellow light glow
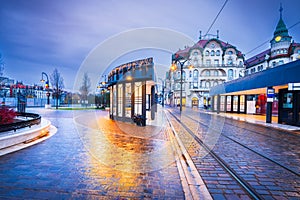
[129,78]
[173,67]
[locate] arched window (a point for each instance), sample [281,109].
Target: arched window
[207,53]
[212,53]
[178,75]
[207,84]
[215,83]
[207,73]
[183,75]
[196,74]
[230,74]
[217,52]
[230,52]
[216,73]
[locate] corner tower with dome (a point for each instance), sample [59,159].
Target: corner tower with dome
[282,50]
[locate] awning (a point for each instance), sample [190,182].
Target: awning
[278,76]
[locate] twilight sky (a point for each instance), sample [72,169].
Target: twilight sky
[39,35]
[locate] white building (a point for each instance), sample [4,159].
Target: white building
[209,62]
[283,50]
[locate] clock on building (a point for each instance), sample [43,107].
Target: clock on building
[278,38]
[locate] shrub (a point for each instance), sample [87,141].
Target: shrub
[7,115]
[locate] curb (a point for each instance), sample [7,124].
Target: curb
[192,183]
[23,139]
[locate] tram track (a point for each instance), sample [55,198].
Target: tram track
[247,187]
[242,180]
[250,149]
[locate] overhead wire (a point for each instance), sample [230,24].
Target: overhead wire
[269,40]
[216,17]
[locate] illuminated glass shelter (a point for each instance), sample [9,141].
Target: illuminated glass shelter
[132,91]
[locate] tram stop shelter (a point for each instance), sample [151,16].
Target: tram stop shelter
[132,91]
[272,91]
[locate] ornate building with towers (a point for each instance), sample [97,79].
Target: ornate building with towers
[209,62]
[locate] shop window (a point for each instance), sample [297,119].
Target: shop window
[287,100]
[128,100]
[228,105]
[120,100]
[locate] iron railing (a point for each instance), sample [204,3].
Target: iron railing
[35,119]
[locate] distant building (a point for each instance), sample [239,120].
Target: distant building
[283,50]
[210,62]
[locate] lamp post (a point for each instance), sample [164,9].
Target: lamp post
[177,59]
[47,87]
[163,92]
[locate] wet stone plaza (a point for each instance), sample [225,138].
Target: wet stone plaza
[91,157]
[196,155]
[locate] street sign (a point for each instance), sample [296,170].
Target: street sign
[270,94]
[294,86]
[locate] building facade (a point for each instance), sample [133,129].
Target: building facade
[209,62]
[271,85]
[282,50]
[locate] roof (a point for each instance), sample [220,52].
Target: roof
[201,44]
[281,75]
[257,58]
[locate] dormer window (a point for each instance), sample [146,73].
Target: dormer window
[230,52]
[207,53]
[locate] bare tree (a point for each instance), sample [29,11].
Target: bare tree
[57,83]
[85,87]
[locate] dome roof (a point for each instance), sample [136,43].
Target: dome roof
[281,27]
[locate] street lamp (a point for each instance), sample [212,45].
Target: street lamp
[163,92]
[177,59]
[47,87]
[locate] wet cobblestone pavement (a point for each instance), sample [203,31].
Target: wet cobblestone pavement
[265,158]
[92,159]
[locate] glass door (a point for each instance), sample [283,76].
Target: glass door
[287,105]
